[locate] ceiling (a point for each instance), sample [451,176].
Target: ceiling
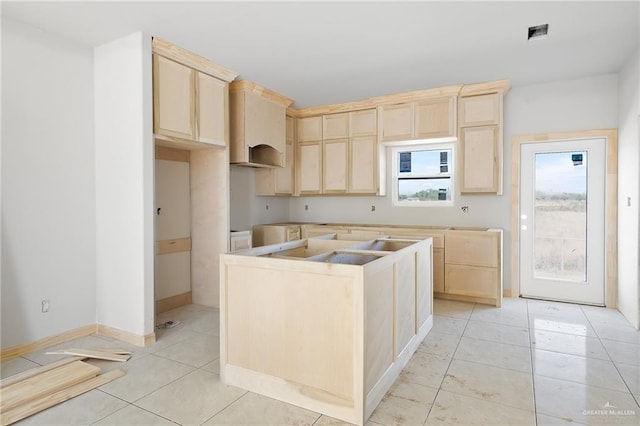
[320,53]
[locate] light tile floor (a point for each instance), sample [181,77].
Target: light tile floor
[530,362]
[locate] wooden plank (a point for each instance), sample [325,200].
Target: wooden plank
[35,371]
[46,383]
[25,348]
[173,246]
[89,353]
[116,351]
[37,405]
[107,351]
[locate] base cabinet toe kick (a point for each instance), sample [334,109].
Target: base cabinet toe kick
[326,324]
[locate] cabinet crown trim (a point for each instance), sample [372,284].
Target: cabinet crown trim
[499,86]
[251,87]
[192,60]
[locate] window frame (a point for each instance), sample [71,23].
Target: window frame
[422,145]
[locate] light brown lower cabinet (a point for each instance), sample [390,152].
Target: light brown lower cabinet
[331,332]
[473,265]
[264,235]
[467,263]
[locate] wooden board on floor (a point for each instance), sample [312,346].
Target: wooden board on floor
[45,384]
[35,371]
[37,405]
[89,353]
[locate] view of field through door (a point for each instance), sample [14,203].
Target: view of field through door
[562,220]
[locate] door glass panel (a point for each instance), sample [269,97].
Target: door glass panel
[560,222]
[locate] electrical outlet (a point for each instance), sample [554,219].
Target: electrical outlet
[45,306]
[306,207]
[373,208]
[465,209]
[267,207]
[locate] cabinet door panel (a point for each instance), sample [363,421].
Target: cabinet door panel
[397,121]
[479,110]
[435,118]
[438,270]
[284,175]
[173,99]
[472,248]
[309,129]
[335,126]
[212,99]
[309,168]
[363,165]
[471,281]
[363,123]
[335,166]
[479,160]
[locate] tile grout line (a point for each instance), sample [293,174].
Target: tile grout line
[531,358]
[450,361]
[612,360]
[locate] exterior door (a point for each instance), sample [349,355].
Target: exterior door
[562,220]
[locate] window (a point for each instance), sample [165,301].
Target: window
[423,174]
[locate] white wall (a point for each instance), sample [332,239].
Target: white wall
[246,208]
[581,104]
[48,208]
[629,189]
[569,105]
[124,184]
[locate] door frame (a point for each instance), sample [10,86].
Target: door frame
[611,204]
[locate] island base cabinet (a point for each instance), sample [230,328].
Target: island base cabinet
[330,335]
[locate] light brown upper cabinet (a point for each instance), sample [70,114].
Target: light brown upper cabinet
[189,106]
[480,138]
[258,125]
[309,129]
[479,159]
[335,156]
[480,110]
[397,121]
[435,118]
[420,119]
[337,153]
[309,168]
[279,180]
[335,126]
[363,165]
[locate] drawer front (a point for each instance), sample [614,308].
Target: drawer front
[472,248]
[471,281]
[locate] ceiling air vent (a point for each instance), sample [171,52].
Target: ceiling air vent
[538,32]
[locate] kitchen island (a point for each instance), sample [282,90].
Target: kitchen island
[324,323]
